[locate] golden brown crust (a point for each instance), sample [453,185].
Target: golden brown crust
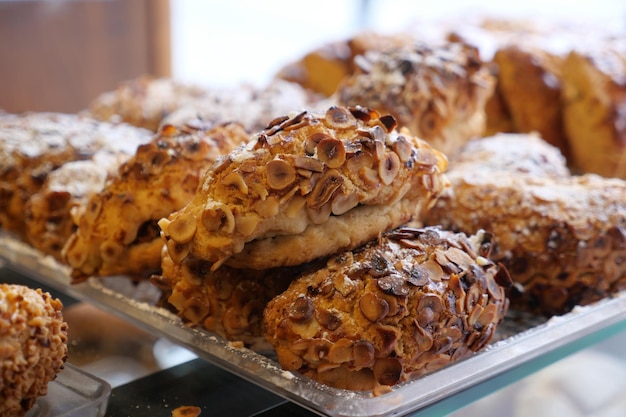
[302,171]
[117,231]
[34,144]
[562,238]
[594,95]
[405,305]
[529,81]
[439,92]
[33,346]
[323,69]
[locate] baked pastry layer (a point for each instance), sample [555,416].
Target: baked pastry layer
[406,304]
[562,238]
[300,177]
[437,91]
[117,230]
[32,145]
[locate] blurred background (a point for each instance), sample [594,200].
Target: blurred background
[57,55]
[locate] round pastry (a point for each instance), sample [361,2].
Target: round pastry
[306,187]
[33,346]
[117,232]
[438,92]
[562,239]
[404,305]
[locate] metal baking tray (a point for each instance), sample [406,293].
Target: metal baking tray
[521,345]
[74,393]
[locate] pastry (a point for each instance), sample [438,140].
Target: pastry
[309,185]
[323,69]
[438,92]
[144,101]
[34,144]
[253,107]
[33,346]
[406,304]
[48,213]
[512,153]
[529,81]
[226,301]
[117,230]
[562,238]
[594,96]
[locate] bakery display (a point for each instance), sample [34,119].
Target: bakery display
[117,230]
[33,346]
[437,91]
[594,95]
[367,217]
[561,237]
[309,185]
[408,303]
[34,144]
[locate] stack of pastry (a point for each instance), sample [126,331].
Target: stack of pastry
[306,220]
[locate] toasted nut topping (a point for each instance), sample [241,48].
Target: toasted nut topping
[360,160]
[339,117]
[403,148]
[389,122]
[182,229]
[301,309]
[363,113]
[268,207]
[363,352]
[389,167]
[311,142]
[332,152]
[218,216]
[394,284]
[235,179]
[328,319]
[195,309]
[324,189]
[341,351]
[344,203]
[246,224]
[428,308]
[373,307]
[177,251]
[422,337]
[280,174]
[387,371]
[319,215]
[310,164]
